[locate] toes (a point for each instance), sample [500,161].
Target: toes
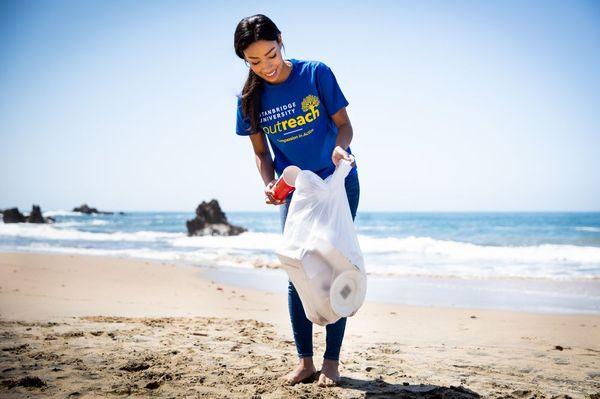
[297,378]
[320,382]
[323,381]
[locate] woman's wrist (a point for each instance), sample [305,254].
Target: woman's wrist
[267,182]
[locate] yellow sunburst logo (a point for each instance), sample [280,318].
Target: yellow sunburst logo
[310,102]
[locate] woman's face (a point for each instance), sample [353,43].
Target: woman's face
[265,59]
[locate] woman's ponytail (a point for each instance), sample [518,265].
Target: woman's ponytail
[251,100]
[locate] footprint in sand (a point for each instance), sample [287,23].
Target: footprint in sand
[16,349]
[27,381]
[133,366]
[73,334]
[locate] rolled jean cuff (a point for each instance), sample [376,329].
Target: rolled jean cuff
[329,357]
[308,354]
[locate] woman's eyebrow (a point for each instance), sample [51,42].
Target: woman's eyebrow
[265,54]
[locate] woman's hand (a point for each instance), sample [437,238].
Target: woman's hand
[340,153]
[269,193]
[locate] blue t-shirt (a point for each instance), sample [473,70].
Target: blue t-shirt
[296,118]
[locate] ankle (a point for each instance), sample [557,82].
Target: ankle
[330,362]
[306,362]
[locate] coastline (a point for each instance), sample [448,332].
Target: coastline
[494,353]
[528,295]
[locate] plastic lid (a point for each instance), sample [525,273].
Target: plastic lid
[347,292]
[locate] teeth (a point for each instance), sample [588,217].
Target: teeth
[271,74]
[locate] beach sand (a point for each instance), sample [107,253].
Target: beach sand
[81,326]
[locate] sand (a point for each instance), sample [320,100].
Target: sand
[82,326]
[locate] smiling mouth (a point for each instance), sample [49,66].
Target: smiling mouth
[272,74]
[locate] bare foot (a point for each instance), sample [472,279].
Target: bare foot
[330,376]
[304,371]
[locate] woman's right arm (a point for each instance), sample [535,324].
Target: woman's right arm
[264,163]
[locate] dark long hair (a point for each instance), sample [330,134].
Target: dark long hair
[249,30]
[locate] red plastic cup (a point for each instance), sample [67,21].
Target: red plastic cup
[286,183]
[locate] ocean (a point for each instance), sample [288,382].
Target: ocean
[549,260]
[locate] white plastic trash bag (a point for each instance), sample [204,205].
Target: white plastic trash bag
[320,250]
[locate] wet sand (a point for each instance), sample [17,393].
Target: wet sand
[83,326]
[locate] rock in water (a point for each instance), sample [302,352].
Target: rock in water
[12,215]
[36,215]
[88,210]
[210,220]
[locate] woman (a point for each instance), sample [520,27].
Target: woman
[298,107]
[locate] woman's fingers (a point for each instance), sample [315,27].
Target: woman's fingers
[338,156]
[270,199]
[273,201]
[339,153]
[269,192]
[351,159]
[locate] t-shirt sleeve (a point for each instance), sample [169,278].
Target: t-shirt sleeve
[242,126]
[329,90]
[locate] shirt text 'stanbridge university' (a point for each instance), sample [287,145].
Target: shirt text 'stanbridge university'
[296,118]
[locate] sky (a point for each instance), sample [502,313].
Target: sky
[455,106]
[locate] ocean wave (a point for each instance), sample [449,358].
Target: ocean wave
[387,267]
[62,231]
[249,240]
[98,222]
[408,249]
[588,229]
[200,258]
[62,213]
[488,270]
[429,248]
[397,256]
[50,232]
[81,223]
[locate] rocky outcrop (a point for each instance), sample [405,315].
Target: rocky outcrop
[35,216]
[210,220]
[13,215]
[88,210]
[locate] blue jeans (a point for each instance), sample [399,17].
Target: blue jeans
[301,326]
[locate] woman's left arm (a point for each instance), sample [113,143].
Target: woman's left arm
[344,137]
